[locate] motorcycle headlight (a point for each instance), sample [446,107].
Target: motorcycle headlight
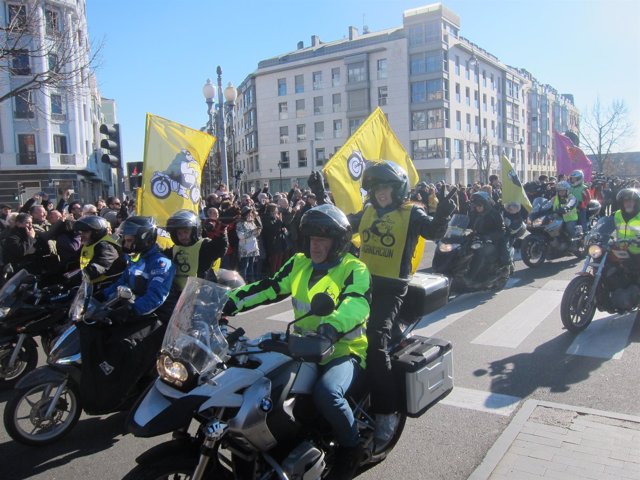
[4,311]
[446,247]
[595,251]
[537,222]
[173,372]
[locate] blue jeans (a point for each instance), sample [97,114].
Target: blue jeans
[247,268]
[582,219]
[328,395]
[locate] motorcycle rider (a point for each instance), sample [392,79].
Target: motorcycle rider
[487,222]
[627,219]
[389,228]
[565,204]
[325,266]
[192,254]
[101,256]
[580,191]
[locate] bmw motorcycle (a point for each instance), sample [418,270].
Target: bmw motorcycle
[48,401]
[28,310]
[460,248]
[548,239]
[251,399]
[609,280]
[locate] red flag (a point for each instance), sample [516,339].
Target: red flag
[570,158]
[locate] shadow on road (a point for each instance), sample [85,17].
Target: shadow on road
[89,436]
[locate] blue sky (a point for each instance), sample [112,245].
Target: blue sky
[157,55]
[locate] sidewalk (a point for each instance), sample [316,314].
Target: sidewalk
[550,440]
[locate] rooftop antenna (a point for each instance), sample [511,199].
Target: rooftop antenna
[365,28]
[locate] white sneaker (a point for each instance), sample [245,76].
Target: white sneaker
[386,425]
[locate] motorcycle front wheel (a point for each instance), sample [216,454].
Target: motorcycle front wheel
[576,312]
[25,416]
[26,361]
[532,251]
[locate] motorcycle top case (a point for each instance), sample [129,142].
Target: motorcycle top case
[423,372]
[427,292]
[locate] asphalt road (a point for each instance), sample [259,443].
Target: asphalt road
[508,347]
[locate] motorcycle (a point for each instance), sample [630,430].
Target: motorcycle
[48,401]
[28,311]
[548,239]
[459,249]
[608,280]
[163,184]
[252,399]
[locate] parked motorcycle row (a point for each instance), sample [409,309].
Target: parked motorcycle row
[240,407]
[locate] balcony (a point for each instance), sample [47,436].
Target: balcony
[67,159]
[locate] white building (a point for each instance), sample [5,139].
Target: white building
[443,96]
[49,141]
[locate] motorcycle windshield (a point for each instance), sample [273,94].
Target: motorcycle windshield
[9,290]
[81,301]
[193,335]
[604,228]
[541,204]
[457,226]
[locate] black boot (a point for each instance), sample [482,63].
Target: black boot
[346,462]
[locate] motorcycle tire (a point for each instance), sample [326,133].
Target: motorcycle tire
[529,243]
[378,456]
[575,315]
[45,431]
[160,188]
[26,362]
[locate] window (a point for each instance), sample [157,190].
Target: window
[418,92]
[416,35]
[468,124]
[284,134]
[427,63]
[318,128]
[435,89]
[284,160]
[417,64]
[317,80]
[24,106]
[302,158]
[56,104]
[445,61]
[283,110]
[354,123]
[432,32]
[467,96]
[20,63]
[17,16]
[337,102]
[433,62]
[301,130]
[457,65]
[475,99]
[476,123]
[419,120]
[335,76]
[458,92]
[358,100]
[356,73]
[337,128]
[282,87]
[320,157]
[458,122]
[27,149]
[484,78]
[60,144]
[419,149]
[299,82]
[382,69]
[382,96]
[318,105]
[435,118]
[458,148]
[52,22]
[484,102]
[300,107]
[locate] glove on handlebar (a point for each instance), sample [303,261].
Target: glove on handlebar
[329,331]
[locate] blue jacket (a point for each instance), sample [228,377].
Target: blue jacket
[150,278]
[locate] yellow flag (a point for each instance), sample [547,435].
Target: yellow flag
[373,141]
[512,189]
[174,156]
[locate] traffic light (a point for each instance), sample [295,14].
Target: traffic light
[21,189]
[111,144]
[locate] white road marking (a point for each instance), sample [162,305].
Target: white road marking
[511,330]
[606,337]
[496,403]
[283,317]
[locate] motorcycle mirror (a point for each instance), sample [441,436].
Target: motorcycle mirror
[322,304]
[125,293]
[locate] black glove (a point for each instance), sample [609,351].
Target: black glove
[445,207]
[121,313]
[329,332]
[563,210]
[316,183]
[230,308]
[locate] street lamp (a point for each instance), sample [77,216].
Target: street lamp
[209,92]
[521,143]
[476,64]
[230,96]
[280,168]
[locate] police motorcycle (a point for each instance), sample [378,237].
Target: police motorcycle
[607,282]
[547,239]
[47,402]
[28,310]
[459,248]
[251,399]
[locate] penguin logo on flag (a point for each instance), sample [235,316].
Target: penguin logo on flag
[514,178]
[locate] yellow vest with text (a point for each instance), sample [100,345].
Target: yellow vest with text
[186,260]
[384,239]
[86,255]
[628,230]
[570,216]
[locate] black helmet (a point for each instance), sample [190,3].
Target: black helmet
[98,226]
[326,221]
[629,194]
[184,219]
[482,198]
[386,172]
[143,229]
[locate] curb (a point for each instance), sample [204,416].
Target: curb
[504,441]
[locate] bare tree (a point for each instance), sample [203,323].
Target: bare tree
[603,131]
[38,52]
[484,159]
